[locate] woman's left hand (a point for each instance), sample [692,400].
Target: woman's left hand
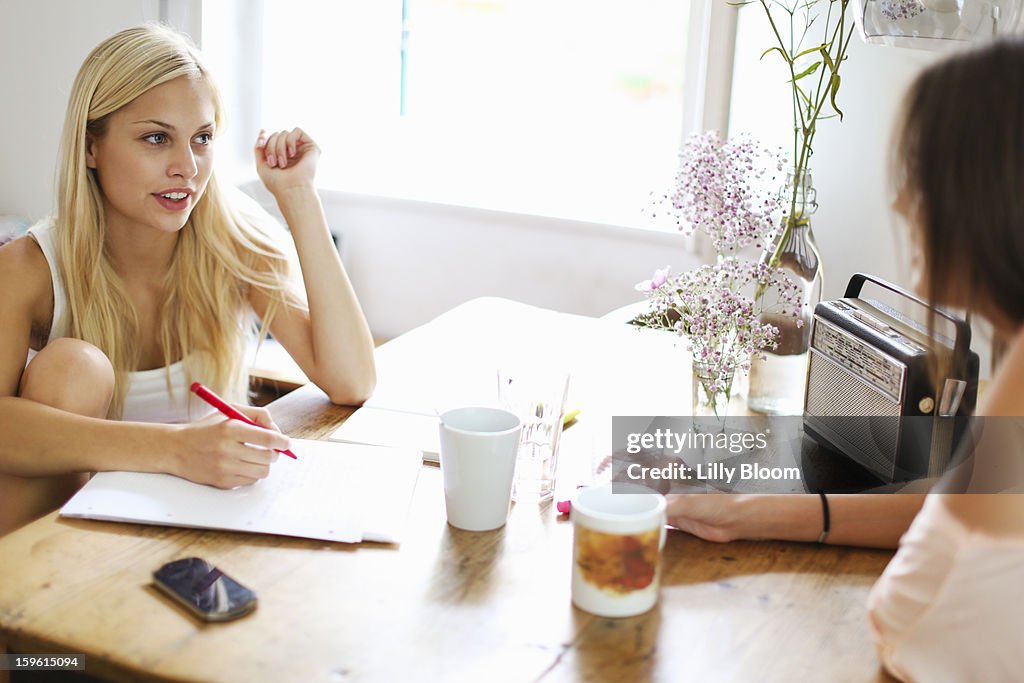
[286,159]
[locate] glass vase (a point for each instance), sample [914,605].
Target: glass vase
[711,391]
[777,381]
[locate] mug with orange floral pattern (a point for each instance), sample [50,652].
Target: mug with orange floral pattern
[618,536]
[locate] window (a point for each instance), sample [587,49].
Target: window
[555,108]
[563,108]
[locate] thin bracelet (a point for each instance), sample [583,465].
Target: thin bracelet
[827,525]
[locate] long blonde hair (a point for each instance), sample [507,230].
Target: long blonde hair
[224,249]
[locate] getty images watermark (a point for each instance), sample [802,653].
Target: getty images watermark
[665,440]
[677,454]
[786,454]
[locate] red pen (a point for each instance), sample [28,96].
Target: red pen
[218,403]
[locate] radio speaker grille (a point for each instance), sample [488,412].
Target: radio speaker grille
[833,392]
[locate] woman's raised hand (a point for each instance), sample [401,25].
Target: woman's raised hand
[286,159]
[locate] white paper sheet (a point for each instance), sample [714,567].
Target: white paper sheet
[333,492]
[398,429]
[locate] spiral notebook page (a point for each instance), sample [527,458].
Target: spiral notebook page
[333,492]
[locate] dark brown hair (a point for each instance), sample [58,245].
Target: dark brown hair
[959,156]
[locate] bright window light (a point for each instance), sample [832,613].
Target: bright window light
[565,108]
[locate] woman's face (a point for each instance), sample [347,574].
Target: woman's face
[156,156]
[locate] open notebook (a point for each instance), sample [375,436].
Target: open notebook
[333,492]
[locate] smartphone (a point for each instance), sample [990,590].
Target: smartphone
[204,590]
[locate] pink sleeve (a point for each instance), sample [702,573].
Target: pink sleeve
[947,608]
[909,584]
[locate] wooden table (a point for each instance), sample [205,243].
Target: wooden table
[445,605]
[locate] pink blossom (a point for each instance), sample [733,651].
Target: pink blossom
[659,278]
[714,306]
[721,189]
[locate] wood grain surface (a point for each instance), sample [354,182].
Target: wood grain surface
[445,605]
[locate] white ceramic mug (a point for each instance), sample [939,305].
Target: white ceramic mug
[478,461]
[617,542]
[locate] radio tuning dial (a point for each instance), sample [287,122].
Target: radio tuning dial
[926,405]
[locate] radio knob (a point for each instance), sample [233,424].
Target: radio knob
[926,405]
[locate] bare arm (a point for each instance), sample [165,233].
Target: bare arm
[41,440]
[870,520]
[332,342]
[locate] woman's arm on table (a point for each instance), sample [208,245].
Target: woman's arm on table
[868,520]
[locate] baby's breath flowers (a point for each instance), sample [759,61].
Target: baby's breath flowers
[718,307]
[721,190]
[713,307]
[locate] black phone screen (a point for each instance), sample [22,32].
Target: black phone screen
[205,590]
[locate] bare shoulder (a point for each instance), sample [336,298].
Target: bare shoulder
[25,278]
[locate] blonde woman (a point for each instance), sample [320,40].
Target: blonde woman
[149,277]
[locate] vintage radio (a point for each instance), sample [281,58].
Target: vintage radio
[870,393]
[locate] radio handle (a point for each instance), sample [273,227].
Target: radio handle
[962,342]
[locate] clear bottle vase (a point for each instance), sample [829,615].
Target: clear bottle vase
[778,380]
[711,390]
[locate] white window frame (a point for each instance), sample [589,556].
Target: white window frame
[709,66]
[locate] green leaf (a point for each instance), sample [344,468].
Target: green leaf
[835,90]
[816,48]
[828,59]
[776,49]
[807,72]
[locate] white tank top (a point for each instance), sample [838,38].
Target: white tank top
[146,398]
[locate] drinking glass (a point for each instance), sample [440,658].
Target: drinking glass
[538,398]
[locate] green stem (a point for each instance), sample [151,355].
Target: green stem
[803,133]
[789,55]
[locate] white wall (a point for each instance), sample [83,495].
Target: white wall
[854,225]
[42,44]
[411,261]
